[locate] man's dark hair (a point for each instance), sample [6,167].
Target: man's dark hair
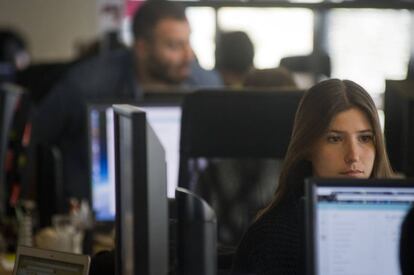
[151,12]
[234,52]
[11,43]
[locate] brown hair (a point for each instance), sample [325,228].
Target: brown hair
[317,108]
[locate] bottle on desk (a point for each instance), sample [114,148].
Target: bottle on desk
[24,214]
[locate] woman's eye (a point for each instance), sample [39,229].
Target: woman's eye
[334,139]
[366,138]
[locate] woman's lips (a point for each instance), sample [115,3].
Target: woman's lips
[351,173]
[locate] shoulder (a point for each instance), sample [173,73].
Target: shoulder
[272,244]
[277,226]
[203,78]
[105,64]
[100,76]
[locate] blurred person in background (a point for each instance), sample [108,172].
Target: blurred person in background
[234,61]
[270,78]
[14,56]
[234,57]
[15,109]
[160,58]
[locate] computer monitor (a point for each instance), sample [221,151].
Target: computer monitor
[408,127]
[222,123]
[102,161]
[141,195]
[165,120]
[393,122]
[354,225]
[399,124]
[36,261]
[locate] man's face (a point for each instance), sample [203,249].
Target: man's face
[168,53]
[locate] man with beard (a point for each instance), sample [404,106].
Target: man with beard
[162,50]
[160,58]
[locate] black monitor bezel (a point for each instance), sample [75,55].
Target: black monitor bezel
[222,106]
[150,230]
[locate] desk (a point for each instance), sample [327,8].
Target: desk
[102,242]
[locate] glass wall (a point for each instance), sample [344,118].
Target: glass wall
[365,45]
[275,32]
[369,46]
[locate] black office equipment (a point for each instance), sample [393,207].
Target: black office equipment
[49,184]
[196,235]
[353,225]
[407,244]
[399,124]
[10,96]
[409,136]
[243,129]
[141,198]
[30,260]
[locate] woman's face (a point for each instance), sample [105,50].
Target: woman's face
[347,149]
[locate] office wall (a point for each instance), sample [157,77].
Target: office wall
[51,27]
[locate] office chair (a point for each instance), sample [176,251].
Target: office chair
[316,65]
[229,150]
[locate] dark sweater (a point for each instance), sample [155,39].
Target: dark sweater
[274,244]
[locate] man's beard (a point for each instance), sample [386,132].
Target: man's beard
[160,71]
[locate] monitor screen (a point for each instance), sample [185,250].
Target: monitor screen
[165,121]
[102,170]
[356,228]
[36,261]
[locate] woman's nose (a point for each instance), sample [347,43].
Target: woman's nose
[352,152]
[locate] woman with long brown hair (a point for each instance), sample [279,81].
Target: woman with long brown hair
[336,133]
